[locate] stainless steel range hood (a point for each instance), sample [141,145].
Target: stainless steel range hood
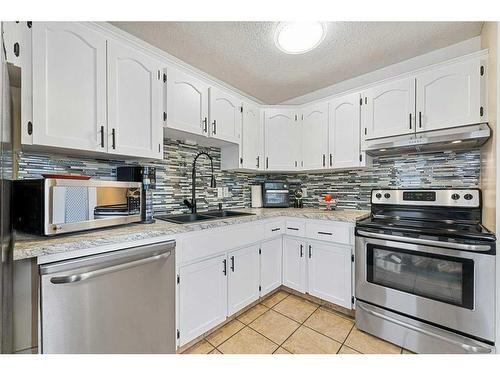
[460,138]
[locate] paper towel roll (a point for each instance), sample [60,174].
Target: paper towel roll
[256,196]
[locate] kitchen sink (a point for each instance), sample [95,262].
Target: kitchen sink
[207,215]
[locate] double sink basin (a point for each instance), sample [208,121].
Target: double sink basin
[203,216]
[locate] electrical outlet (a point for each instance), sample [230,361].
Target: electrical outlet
[304,192]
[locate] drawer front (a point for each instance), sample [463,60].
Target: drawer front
[274,228]
[330,231]
[295,227]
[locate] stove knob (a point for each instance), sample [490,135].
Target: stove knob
[468,197]
[455,196]
[387,195]
[378,195]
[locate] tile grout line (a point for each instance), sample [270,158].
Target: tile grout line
[300,325]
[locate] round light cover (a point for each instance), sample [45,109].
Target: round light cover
[299,37]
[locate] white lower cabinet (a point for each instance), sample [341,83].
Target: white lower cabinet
[294,265]
[271,265]
[243,278]
[202,297]
[329,272]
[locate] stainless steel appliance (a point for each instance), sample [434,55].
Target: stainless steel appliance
[275,194]
[425,271]
[52,206]
[6,236]
[117,302]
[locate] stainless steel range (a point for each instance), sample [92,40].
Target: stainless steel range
[425,271]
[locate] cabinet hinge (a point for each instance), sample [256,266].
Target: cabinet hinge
[178,334]
[481,70]
[360,157]
[164,78]
[352,300]
[352,257]
[164,116]
[29,23]
[30,128]
[260,288]
[178,279]
[260,251]
[481,111]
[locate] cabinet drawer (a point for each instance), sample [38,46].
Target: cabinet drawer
[331,231]
[274,228]
[295,227]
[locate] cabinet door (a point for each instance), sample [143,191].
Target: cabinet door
[315,136]
[270,265]
[243,278]
[252,139]
[294,266]
[202,297]
[69,86]
[135,124]
[187,103]
[225,116]
[449,96]
[282,139]
[329,269]
[343,134]
[389,109]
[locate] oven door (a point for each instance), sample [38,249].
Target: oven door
[448,287]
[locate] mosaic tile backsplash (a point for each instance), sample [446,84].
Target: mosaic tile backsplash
[352,187]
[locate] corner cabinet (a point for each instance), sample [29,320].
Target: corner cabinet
[69,87]
[294,264]
[187,103]
[282,140]
[93,94]
[314,136]
[388,109]
[450,96]
[135,87]
[271,265]
[344,140]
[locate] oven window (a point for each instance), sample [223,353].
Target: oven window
[276,198]
[438,277]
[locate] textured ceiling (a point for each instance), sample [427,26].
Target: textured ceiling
[243,54]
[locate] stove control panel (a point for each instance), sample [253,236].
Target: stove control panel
[428,197]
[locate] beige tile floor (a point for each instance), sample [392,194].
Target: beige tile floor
[287,324]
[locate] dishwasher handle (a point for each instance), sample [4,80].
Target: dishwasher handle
[74,278]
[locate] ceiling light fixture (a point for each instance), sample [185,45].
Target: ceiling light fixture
[299,37]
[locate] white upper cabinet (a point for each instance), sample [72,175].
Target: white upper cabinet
[252,139]
[69,86]
[449,96]
[388,109]
[282,139]
[225,116]
[135,125]
[344,132]
[329,271]
[315,136]
[187,103]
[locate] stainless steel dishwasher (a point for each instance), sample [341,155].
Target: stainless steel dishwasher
[117,302]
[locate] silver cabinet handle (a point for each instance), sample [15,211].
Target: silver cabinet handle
[232,263]
[301,251]
[466,347]
[224,270]
[214,129]
[324,160]
[410,120]
[102,136]
[102,271]
[113,137]
[449,245]
[326,233]
[205,124]
[258,161]
[310,251]
[331,160]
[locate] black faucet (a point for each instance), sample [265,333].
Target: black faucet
[192,204]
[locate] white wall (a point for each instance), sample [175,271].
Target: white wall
[434,57]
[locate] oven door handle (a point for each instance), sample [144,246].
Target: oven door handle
[421,241]
[466,347]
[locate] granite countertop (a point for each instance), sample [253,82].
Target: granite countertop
[29,246]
